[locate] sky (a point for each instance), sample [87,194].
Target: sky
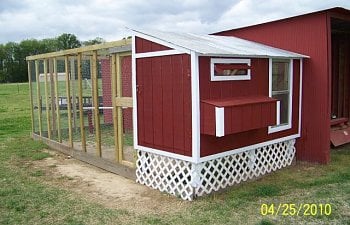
[26,19]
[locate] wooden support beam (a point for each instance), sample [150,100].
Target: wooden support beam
[96,104]
[48,122]
[58,115]
[81,49]
[31,95]
[69,102]
[74,96]
[123,102]
[114,93]
[80,96]
[52,95]
[38,96]
[119,109]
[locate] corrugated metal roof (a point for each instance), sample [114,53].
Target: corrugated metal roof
[219,45]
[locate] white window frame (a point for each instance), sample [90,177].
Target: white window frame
[213,61]
[278,127]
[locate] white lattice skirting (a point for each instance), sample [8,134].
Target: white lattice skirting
[188,180]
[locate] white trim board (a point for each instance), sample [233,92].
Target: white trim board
[219,121]
[134,91]
[300,93]
[165,153]
[195,107]
[158,53]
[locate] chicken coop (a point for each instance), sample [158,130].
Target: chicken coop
[182,113]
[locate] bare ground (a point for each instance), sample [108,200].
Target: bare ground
[106,188]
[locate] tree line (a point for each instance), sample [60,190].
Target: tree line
[13,65]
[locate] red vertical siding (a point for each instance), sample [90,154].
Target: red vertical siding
[164,103]
[143,45]
[258,85]
[307,35]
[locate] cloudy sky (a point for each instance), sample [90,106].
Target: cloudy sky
[24,19]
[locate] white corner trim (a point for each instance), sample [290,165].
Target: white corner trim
[300,93]
[278,112]
[158,53]
[219,122]
[134,91]
[270,77]
[164,153]
[195,107]
[273,129]
[213,61]
[162,42]
[247,148]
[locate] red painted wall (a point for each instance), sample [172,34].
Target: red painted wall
[164,103]
[258,85]
[307,35]
[143,45]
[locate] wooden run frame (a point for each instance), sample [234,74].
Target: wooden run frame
[73,61]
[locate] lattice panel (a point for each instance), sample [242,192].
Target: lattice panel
[165,174]
[233,169]
[188,180]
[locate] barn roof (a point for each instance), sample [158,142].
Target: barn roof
[218,45]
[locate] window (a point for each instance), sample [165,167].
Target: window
[281,78]
[229,69]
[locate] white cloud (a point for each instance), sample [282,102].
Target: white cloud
[108,18]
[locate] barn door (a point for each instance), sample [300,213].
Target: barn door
[122,108]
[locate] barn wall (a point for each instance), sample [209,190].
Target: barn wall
[307,35]
[126,90]
[106,90]
[164,103]
[258,85]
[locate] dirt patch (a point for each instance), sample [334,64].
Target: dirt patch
[106,188]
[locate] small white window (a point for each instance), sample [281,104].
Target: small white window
[281,88]
[229,69]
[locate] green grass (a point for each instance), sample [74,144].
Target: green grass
[25,197]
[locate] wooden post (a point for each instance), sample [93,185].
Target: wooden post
[74,97]
[96,104]
[69,102]
[80,96]
[57,101]
[31,95]
[52,94]
[38,95]
[47,101]
[119,108]
[113,95]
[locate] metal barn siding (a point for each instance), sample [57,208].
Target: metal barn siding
[307,35]
[164,103]
[257,86]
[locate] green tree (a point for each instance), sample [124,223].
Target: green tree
[67,41]
[95,41]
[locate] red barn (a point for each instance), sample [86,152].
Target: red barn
[211,111]
[324,36]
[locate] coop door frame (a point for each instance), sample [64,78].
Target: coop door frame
[119,103]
